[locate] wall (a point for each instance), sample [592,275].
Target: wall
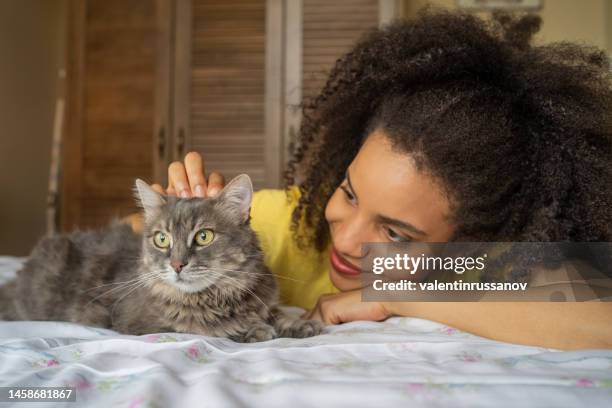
[31,52]
[608,19]
[587,21]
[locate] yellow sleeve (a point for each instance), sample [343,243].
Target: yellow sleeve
[302,274]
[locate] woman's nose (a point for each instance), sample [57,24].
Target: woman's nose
[349,236]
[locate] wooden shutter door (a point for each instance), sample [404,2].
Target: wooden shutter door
[221,110]
[241,67]
[110,108]
[326,30]
[330,29]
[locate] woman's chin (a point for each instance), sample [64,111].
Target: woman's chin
[344,282]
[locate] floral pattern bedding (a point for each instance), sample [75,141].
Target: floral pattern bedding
[399,362]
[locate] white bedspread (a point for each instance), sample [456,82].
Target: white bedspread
[402,362]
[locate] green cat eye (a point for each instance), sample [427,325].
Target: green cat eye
[161,240]
[204,237]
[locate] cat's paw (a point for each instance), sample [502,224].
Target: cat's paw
[300,329]
[260,332]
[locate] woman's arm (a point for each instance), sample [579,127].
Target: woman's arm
[135,221]
[561,325]
[548,324]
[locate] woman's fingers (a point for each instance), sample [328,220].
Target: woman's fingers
[194,168]
[216,182]
[189,179]
[177,180]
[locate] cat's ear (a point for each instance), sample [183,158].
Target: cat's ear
[150,200]
[237,195]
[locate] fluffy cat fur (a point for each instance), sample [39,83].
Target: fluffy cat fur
[118,279]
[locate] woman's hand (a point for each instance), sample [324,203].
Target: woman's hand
[347,307]
[189,179]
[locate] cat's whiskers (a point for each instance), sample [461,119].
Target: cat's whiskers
[198,269]
[265,274]
[123,286]
[206,273]
[111,291]
[138,286]
[240,287]
[143,280]
[109,284]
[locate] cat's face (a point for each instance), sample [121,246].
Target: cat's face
[193,243]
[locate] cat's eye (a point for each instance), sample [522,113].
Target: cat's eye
[161,240]
[204,237]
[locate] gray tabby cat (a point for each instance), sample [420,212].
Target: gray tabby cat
[197,268]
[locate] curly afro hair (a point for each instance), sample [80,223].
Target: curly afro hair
[517,135]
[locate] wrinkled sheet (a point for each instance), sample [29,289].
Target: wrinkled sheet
[400,362]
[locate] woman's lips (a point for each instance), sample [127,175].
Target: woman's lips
[342,265]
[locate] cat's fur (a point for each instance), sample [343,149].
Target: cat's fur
[225,289]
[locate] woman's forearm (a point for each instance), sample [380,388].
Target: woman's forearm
[547,324]
[135,221]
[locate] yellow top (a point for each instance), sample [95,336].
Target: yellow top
[302,274]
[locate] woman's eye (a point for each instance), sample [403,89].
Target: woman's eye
[204,237]
[348,194]
[395,237]
[161,240]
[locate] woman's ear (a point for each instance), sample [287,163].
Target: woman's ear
[150,200]
[236,197]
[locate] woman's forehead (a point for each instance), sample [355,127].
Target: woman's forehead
[388,183]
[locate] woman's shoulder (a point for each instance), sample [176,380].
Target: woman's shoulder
[276,197]
[271,211]
[273,205]
[301,271]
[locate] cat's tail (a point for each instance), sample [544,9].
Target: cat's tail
[8,309]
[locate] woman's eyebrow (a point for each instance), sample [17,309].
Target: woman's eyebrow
[401,224]
[387,220]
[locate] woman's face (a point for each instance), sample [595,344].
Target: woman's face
[384,198]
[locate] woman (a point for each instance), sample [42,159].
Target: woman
[440,129]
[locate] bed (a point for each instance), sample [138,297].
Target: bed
[399,362]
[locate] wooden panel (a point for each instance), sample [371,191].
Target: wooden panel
[116,110]
[70,199]
[227,86]
[330,29]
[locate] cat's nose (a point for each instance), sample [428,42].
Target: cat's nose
[177,266]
